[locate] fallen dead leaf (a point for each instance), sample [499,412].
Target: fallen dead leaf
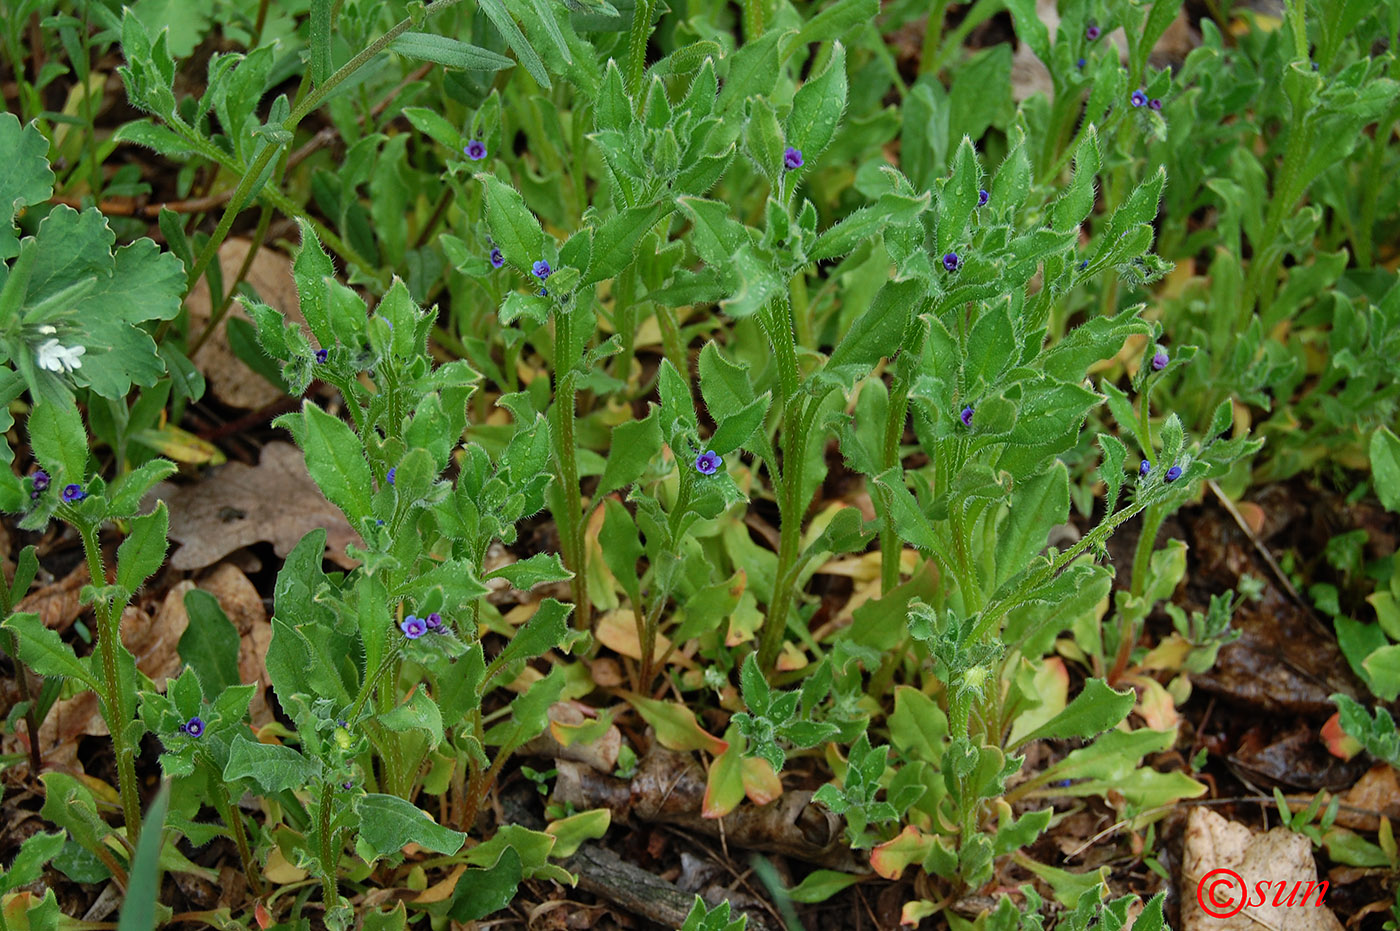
[230,380]
[57,604]
[237,505]
[1280,856]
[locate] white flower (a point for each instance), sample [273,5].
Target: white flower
[58,358]
[47,330]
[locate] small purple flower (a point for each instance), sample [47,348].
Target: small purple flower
[497,260]
[1160,360]
[343,723]
[543,292]
[1139,98]
[347,786]
[1093,32]
[476,150]
[413,627]
[390,475]
[1080,64]
[952,262]
[1155,103]
[1173,474]
[194,727]
[792,158]
[983,197]
[322,355]
[1144,469]
[41,481]
[433,622]
[541,270]
[966,416]
[73,493]
[708,463]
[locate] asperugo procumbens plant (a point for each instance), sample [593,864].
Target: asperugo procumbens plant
[997,406]
[382,669]
[70,309]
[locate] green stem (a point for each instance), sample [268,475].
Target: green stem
[933,36]
[777,320]
[753,20]
[896,412]
[108,643]
[571,527]
[327,854]
[229,812]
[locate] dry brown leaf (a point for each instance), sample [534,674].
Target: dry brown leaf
[1280,856]
[230,380]
[237,505]
[57,604]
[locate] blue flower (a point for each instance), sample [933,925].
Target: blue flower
[792,158]
[1139,98]
[966,416]
[543,292]
[952,262]
[708,463]
[390,475]
[322,355]
[1083,265]
[1155,103]
[1063,783]
[1173,473]
[1080,64]
[1144,469]
[541,270]
[983,197]
[1093,32]
[41,481]
[1160,360]
[497,260]
[73,493]
[476,150]
[413,627]
[194,727]
[433,622]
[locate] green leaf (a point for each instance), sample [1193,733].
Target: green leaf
[450,52]
[1037,505]
[275,768]
[817,107]
[753,69]
[526,574]
[59,441]
[25,176]
[635,445]
[28,865]
[43,651]
[388,822]
[615,241]
[482,892]
[500,17]
[1092,712]
[320,35]
[126,493]
[418,713]
[543,632]
[1385,468]
[879,331]
[622,547]
[435,126]
[820,885]
[513,227]
[210,643]
[142,553]
[336,462]
[1078,201]
[736,429]
[143,890]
